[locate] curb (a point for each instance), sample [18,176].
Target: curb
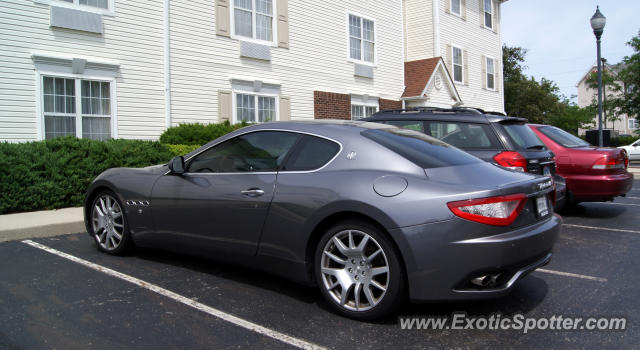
[39,224]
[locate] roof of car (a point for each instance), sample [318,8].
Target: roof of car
[463,114]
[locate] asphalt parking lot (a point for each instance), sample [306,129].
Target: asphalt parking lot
[153,299]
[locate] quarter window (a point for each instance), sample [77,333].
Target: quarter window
[361,39]
[253,19]
[488,11]
[491,74]
[59,108]
[254,152]
[457,64]
[255,108]
[311,153]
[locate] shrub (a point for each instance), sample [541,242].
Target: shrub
[56,173]
[181,150]
[197,134]
[623,140]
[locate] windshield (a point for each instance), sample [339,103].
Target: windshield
[425,151]
[523,137]
[562,137]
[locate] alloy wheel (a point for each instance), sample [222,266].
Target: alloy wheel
[355,270]
[107,222]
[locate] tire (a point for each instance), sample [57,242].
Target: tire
[110,230]
[362,266]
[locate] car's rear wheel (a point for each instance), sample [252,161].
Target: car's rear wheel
[109,224]
[358,271]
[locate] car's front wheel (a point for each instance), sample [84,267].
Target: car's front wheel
[109,224]
[358,271]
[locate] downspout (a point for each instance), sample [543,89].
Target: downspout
[167,67]
[436,28]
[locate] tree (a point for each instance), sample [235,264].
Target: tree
[526,97]
[539,101]
[630,76]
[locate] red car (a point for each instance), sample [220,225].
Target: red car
[592,174]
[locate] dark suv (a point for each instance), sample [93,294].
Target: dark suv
[496,138]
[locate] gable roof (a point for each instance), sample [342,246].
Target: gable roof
[417,75]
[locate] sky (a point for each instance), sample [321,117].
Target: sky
[558,36]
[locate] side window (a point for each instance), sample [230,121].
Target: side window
[311,153]
[464,135]
[407,124]
[253,152]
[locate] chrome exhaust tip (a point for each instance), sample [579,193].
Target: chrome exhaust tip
[486,280]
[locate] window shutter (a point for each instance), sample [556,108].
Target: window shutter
[481,13]
[496,75]
[285,108]
[494,16]
[484,72]
[463,9]
[449,59]
[447,6]
[225,108]
[222,18]
[465,60]
[283,23]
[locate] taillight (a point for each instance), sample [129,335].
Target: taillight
[609,163]
[497,211]
[511,160]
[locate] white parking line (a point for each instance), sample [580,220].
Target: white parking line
[302,344]
[568,274]
[600,228]
[632,197]
[634,205]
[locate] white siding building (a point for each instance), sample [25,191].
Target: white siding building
[130,69]
[466,35]
[587,95]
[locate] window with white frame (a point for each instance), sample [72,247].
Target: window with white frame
[488,12]
[83,4]
[456,54]
[455,7]
[253,19]
[633,124]
[361,39]
[253,108]
[363,106]
[62,116]
[491,73]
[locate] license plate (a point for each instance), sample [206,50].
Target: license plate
[543,208]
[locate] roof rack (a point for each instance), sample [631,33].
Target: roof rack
[435,109]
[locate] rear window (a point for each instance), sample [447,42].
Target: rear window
[463,135]
[425,151]
[523,137]
[562,137]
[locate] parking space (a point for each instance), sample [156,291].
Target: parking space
[49,301]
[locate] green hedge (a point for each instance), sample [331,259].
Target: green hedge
[197,134]
[623,140]
[56,173]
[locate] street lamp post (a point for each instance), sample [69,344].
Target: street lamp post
[597,24]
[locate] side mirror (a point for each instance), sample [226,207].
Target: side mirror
[176,165]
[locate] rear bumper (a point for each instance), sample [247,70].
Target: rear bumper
[442,271]
[598,187]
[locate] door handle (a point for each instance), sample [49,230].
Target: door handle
[253,192]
